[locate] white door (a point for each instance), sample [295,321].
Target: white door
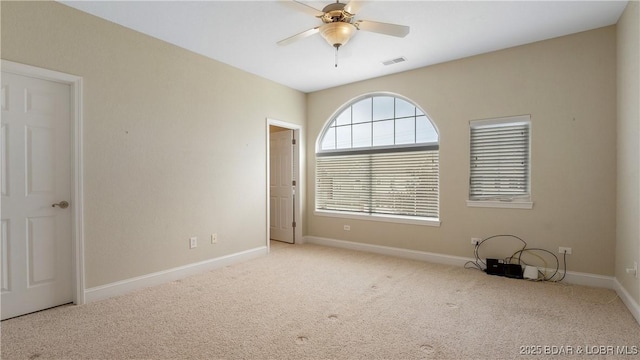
[36,168]
[281,189]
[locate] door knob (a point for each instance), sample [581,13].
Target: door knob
[61,204]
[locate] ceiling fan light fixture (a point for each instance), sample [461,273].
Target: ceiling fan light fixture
[337,33]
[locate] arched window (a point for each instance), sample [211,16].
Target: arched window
[378,156]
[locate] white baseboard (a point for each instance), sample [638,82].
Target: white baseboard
[628,300]
[576,278]
[161,277]
[391,251]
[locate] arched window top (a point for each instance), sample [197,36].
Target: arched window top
[376,122]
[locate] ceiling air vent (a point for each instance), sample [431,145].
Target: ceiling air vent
[394,61]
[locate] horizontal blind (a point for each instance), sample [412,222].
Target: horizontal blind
[402,183]
[499,161]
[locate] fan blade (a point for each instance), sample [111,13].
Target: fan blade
[382,28]
[353,7]
[300,6]
[299,36]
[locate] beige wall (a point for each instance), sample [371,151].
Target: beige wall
[568,85]
[174,143]
[628,204]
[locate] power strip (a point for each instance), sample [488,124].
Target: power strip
[499,268]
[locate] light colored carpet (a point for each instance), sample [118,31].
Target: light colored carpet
[313,302]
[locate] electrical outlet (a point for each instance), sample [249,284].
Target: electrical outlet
[193,242]
[347,228]
[634,270]
[476,241]
[563,250]
[214,238]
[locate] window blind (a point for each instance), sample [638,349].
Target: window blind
[401,183]
[499,161]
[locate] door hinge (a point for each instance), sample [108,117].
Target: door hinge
[293,183]
[293,224]
[293,141]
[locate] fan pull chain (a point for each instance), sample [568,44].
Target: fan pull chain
[336,58]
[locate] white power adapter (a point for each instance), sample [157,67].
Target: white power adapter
[530,272]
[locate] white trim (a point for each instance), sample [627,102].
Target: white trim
[587,279]
[77,198]
[344,106]
[576,278]
[162,277]
[500,204]
[36,72]
[300,190]
[391,251]
[379,217]
[628,300]
[282,124]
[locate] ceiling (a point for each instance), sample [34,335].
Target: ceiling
[243,34]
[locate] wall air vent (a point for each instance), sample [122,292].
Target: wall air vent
[394,61]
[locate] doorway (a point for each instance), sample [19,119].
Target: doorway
[41,198]
[283,182]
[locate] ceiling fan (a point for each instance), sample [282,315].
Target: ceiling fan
[339,24]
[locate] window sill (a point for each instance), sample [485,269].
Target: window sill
[516,204]
[383,218]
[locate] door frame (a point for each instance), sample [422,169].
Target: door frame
[297,203]
[77,200]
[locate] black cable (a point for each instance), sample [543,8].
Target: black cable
[564,259]
[475,263]
[547,251]
[521,262]
[478,264]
